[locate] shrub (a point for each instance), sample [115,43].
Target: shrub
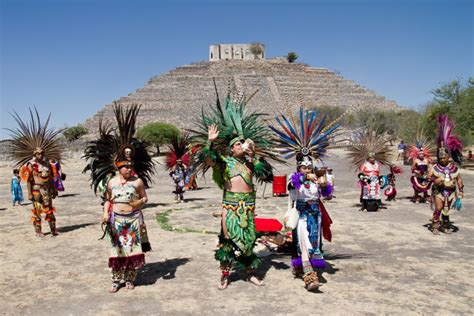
[158,134]
[75,132]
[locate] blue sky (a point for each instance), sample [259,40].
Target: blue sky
[72,57]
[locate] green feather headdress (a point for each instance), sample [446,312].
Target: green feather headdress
[235,122]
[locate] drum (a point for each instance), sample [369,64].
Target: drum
[279,185]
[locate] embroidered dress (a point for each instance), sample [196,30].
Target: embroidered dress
[17,193]
[313,223]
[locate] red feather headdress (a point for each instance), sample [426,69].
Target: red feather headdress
[179,149]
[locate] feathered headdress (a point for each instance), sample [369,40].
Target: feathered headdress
[447,143]
[422,144]
[113,149]
[367,143]
[31,137]
[235,122]
[309,137]
[179,149]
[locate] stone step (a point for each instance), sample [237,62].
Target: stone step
[183,91]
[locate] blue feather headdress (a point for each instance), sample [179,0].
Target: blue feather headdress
[310,136]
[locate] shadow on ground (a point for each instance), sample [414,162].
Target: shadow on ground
[151,272]
[150,205]
[452,228]
[67,229]
[68,195]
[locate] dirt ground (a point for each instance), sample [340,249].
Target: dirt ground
[379,263]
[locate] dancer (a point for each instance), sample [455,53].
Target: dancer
[419,153]
[368,150]
[125,156]
[235,144]
[331,179]
[307,141]
[177,163]
[35,138]
[447,183]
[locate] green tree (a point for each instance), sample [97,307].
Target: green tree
[332,112]
[291,57]
[75,132]
[257,49]
[158,134]
[457,101]
[398,123]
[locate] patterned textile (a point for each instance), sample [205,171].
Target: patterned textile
[420,184]
[390,192]
[57,173]
[124,193]
[240,225]
[371,188]
[420,181]
[42,204]
[370,169]
[126,275]
[238,168]
[446,192]
[126,237]
[179,177]
[308,236]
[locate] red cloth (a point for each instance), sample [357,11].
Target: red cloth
[267,225]
[326,222]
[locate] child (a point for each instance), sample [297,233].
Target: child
[178,174]
[58,175]
[330,180]
[17,193]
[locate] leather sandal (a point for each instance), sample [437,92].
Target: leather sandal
[115,287]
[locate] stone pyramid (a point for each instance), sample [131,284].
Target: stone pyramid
[178,96]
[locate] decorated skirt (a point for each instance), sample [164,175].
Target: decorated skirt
[308,235]
[128,240]
[240,219]
[420,184]
[371,189]
[241,229]
[42,203]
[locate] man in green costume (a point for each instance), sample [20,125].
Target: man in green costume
[235,144]
[237,238]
